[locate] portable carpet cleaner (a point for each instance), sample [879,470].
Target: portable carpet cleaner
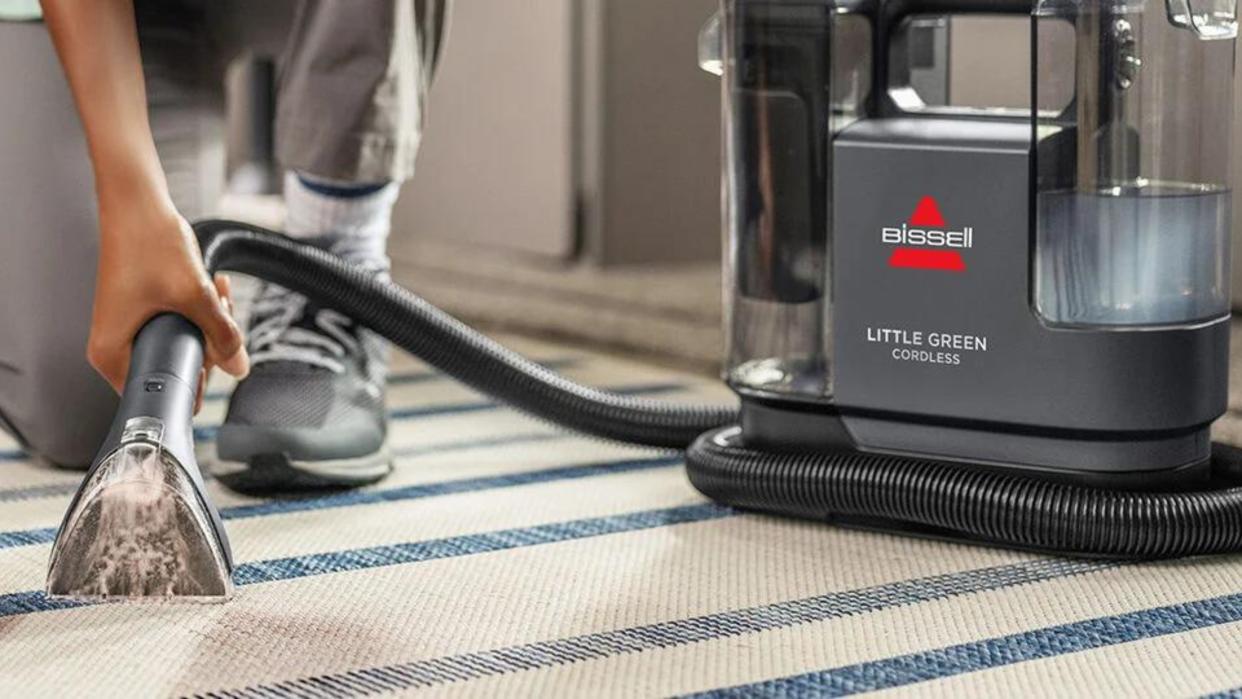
[1007,327]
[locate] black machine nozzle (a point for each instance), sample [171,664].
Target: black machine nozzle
[140,526]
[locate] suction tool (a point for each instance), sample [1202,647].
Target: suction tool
[140,526]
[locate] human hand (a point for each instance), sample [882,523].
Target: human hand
[150,263]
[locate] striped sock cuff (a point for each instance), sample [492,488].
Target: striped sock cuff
[351,220]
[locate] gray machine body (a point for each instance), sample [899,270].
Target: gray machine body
[957,364]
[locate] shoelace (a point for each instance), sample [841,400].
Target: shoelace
[278,335]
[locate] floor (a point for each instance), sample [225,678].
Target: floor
[506,557]
[670,313]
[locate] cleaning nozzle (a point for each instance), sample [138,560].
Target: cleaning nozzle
[140,526]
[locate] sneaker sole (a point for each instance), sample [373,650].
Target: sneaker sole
[277,473]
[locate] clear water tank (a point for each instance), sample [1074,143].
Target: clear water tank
[794,72]
[1133,189]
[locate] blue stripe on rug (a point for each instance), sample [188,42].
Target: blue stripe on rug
[1049,642]
[207,433]
[61,489]
[27,537]
[424,376]
[35,492]
[597,646]
[467,485]
[473,544]
[294,567]
[353,498]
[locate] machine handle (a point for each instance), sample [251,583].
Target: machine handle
[889,15]
[168,344]
[164,367]
[893,11]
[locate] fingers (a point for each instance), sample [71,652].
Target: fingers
[224,287]
[202,387]
[224,292]
[211,313]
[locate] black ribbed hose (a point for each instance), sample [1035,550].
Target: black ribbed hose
[886,491]
[447,344]
[957,502]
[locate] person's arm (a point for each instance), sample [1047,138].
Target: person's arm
[149,261]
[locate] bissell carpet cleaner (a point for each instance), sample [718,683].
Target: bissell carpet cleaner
[1009,327]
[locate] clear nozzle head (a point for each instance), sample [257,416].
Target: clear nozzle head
[139,529]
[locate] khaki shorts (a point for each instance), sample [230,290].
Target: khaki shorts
[352,82]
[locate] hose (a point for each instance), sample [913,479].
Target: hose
[957,501]
[449,345]
[876,490]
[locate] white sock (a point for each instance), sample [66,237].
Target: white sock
[351,220]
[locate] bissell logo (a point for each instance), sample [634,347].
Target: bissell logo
[926,242]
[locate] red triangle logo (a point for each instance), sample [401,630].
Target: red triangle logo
[927,213]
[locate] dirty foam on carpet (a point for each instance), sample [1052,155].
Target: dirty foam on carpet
[506,557]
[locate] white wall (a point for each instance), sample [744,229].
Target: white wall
[496,162]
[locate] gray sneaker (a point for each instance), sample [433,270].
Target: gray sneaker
[311,414]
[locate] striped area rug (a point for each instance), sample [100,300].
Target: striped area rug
[504,557]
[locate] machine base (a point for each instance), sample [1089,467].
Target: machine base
[1170,461]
